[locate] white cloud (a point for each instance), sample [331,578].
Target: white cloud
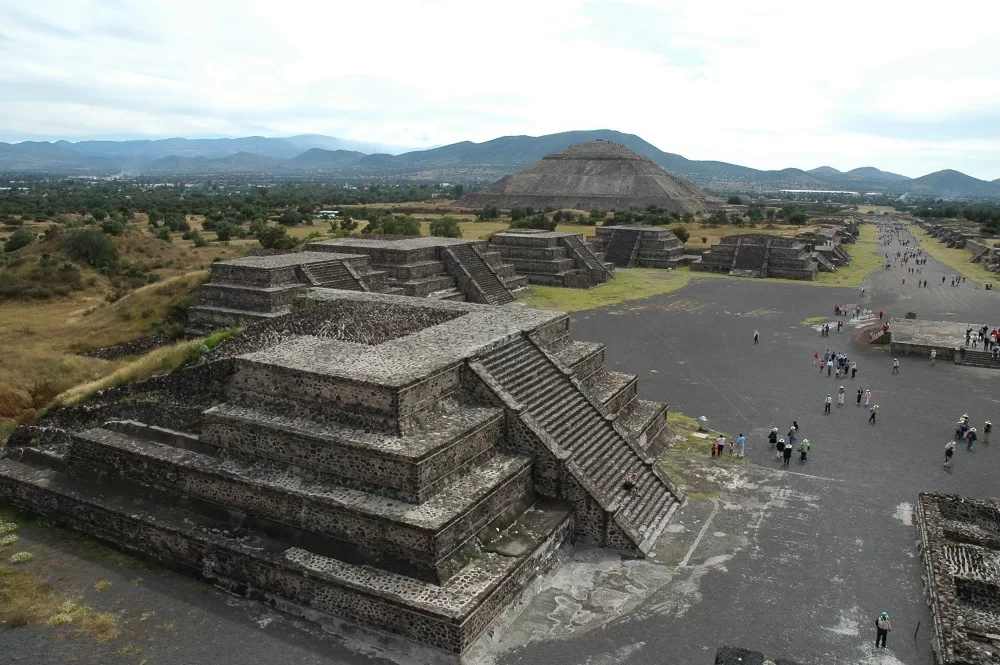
[768,85]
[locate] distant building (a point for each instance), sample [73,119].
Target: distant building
[328,214]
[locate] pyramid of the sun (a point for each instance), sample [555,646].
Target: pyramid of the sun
[597,175]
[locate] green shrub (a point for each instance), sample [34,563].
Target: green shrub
[446,227]
[539,221]
[113,227]
[164,235]
[401,225]
[19,239]
[275,237]
[682,233]
[93,247]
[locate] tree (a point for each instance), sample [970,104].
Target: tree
[92,247]
[99,214]
[488,213]
[164,235]
[734,201]
[404,225]
[446,227]
[275,237]
[457,191]
[681,232]
[113,226]
[18,239]
[224,231]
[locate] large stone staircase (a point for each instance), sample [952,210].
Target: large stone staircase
[603,455]
[976,358]
[585,258]
[469,264]
[623,248]
[332,275]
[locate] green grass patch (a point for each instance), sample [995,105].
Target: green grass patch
[958,260]
[813,320]
[628,284]
[865,258]
[688,455]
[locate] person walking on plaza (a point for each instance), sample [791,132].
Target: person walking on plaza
[970,438]
[987,428]
[829,367]
[895,365]
[772,438]
[880,315]
[933,357]
[949,452]
[829,400]
[860,392]
[840,396]
[791,434]
[871,418]
[779,448]
[756,336]
[803,449]
[787,454]
[883,628]
[854,369]
[868,397]
[741,444]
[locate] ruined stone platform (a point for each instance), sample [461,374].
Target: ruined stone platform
[406,464]
[442,268]
[759,255]
[628,246]
[253,288]
[960,549]
[552,258]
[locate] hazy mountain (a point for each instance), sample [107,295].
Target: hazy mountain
[952,183]
[873,173]
[329,159]
[318,156]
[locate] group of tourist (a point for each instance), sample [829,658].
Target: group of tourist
[737,447]
[783,449]
[990,339]
[964,431]
[835,361]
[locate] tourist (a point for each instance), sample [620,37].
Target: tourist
[868,397]
[741,444]
[829,400]
[815,358]
[803,449]
[860,392]
[772,438]
[880,315]
[882,627]
[720,444]
[787,454]
[630,481]
[854,369]
[970,438]
[895,365]
[987,428]
[840,396]
[871,418]
[829,367]
[732,447]
[756,336]
[791,435]
[933,357]
[949,451]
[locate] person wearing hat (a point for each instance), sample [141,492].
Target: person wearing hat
[840,396]
[772,438]
[949,452]
[871,418]
[970,438]
[860,393]
[829,401]
[987,428]
[882,627]
[895,365]
[779,448]
[803,449]
[787,454]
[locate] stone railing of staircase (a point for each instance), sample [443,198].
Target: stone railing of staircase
[736,254]
[630,523]
[767,258]
[580,252]
[358,278]
[976,358]
[459,261]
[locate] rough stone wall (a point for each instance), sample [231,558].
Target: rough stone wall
[960,549]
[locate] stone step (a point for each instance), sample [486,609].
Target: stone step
[539,266]
[256,299]
[409,468]
[644,419]
[203,319]
[582,358]
[431,540]
[447,617]
[516,283]
[448,294]
[414,270]
[422,286]
[612,390]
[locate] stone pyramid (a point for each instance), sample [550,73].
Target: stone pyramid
[597,175]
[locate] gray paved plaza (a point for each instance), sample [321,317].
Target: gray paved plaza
[794,563]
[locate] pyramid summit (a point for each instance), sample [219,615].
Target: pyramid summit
[596,175]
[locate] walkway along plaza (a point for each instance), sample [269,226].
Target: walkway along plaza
[792,563]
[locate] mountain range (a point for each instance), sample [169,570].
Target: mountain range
[318,157]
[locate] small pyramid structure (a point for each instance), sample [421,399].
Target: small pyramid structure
[596,175]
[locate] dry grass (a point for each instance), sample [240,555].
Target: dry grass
[956,259]
[41,341]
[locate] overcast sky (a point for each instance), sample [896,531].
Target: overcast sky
[909,87]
